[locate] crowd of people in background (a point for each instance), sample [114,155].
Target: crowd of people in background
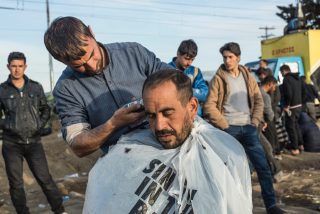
[94,87]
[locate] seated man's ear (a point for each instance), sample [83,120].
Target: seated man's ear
[193,106]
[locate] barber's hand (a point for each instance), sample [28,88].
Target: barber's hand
[125,116]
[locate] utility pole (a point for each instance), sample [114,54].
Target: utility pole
[15,8]
[266,29]
[50,57]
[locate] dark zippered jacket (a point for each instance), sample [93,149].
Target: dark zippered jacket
[292,90]
[24,113]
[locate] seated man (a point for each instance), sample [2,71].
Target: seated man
[181,165]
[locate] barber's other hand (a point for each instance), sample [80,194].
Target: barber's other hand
[125,116]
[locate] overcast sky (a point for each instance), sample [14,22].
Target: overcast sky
[159,25]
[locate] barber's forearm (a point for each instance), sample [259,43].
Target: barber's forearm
[91,140]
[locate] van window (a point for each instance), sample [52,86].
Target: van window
[272,66]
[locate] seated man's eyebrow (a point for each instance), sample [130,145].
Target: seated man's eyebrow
[161,110]
[167,109]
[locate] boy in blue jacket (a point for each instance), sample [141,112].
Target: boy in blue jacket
[186,53]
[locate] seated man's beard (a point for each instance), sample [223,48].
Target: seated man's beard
[180,137]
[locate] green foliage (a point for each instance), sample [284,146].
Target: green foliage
[311,11]
[287,13]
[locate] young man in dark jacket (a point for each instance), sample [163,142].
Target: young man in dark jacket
[292,93]
[25,109]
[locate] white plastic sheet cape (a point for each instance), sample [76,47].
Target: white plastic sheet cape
[209,173]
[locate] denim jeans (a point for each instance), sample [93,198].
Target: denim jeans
[247,135]
[274,164]
[13,155]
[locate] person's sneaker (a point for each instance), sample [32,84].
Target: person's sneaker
[275,210]
[295,152]
[301,148]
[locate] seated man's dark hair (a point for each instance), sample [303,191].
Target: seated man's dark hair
[232,47]
[65,38]
[188,47]
[16,55]
[178,78]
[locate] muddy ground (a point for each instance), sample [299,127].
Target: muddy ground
[299,192]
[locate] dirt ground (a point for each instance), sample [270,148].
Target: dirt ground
[69,172]
[299,192]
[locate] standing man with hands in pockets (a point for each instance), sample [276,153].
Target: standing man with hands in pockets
[98,81]
[235,105]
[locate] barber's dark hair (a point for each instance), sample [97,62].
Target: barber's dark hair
[178,78]
[188,47]
[65,38]
[285,68]
[269,79]
[16,56]
[232,47]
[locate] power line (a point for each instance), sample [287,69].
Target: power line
[128,18]
[266,34]
[162,3]
[8,8]
[174,11]
[174,22]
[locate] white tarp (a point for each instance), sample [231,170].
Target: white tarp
[209,173]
